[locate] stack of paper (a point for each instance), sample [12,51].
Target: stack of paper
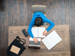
[51,40]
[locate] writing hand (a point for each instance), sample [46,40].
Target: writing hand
[35,40]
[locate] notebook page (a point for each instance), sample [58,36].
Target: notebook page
[34,31]
[55,37]
[41,30]
[51,40]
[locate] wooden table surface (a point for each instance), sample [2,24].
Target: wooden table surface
[61,49]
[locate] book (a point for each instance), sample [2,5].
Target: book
[38,31]
[51,40]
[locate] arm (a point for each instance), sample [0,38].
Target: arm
[30,32]
[30,27]
[45,19]
[51,24]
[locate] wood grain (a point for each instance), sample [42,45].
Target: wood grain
[11,14]
[59,49]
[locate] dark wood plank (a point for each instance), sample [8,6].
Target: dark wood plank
[22,12]
[29,12]
[14,17]
[67,12]
[43,2]
[25,12]
[71,26]
[73,44]
[63,12]
[73,54]
[74,21]
[0,30]
[4,29]
[47,9]
[59,15]
[10,12]
[18,12]
[55,11]
[51,10]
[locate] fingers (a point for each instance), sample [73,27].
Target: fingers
[44,33]
[36,41]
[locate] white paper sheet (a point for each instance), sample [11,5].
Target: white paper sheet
[51,40]
[38,31]
[34,31]
[41,30]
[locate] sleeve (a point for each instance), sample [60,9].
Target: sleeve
[45,19]
[30,27]
[51,24]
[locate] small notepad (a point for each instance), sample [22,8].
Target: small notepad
[38,31]
[51,40]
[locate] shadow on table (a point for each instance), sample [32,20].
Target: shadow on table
[3,52]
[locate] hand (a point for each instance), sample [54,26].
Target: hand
[35,40]
[45,32]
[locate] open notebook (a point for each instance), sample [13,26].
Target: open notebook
[51,40]
[38,31]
